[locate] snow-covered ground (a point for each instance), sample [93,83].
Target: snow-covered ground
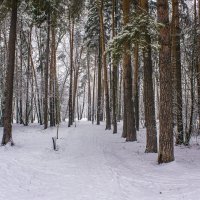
[92,164]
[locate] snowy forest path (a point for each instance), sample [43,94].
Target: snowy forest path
[92,164]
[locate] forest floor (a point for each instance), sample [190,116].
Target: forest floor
[93,164]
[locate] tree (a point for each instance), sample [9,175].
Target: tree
[114,73]
[166,140]
[71,41]
[46,74]
[102,36]
[7,132]
[129,131]
[176,65]
[149,104]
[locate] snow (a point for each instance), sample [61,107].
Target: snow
[92,164]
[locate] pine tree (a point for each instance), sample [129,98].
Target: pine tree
[176,64]
[7,132]
[129,131]
[149,104]
[166,140]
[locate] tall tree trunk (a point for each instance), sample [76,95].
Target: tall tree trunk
[149,104]
[89,88]
[93,93]
[194,59]
[198,68]
[102,36]
[176,65]
[37,92]
[129,130]
[114,74]
[46,75]
[21,80]
[99,86]
[166,142]
[32,97]
[70,122]
[7,132]
[27,109]
[52,78]
[136,87]
[17,89]
[76,75]
[119,110]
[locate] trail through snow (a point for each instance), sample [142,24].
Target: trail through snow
[92,164]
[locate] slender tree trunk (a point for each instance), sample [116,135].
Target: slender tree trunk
[52,78]
[136,87]
[166,140]
[32,97]
[114,74]
[102,36]
[99,86]
[46,75]
[83,105]
[37,92]
[193,66]
[89,88]
[7,132]
[119,110]
[17,89]
[70,122]
[198,68]
[129,116]
[21,72]
[149,104]
[93,93]
[27,109]
[176,65]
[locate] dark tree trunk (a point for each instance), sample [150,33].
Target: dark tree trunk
[149,104]
[176,64]
[27,109]
[46,75]
[106,89]
[136,87]
[129,130]
[52,79]
[89,88]
[7,132]
[114,74]
[93,93]
[70,122]
[192,83]
[99,87]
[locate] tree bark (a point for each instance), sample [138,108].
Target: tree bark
[149,104]
[52,82]
[99,86]
[89,88]
[129,130]
[70,122]
[114,74]
[7,131]
[166,142]
[102,36]
[136,87]
[176,65]
[46,75]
